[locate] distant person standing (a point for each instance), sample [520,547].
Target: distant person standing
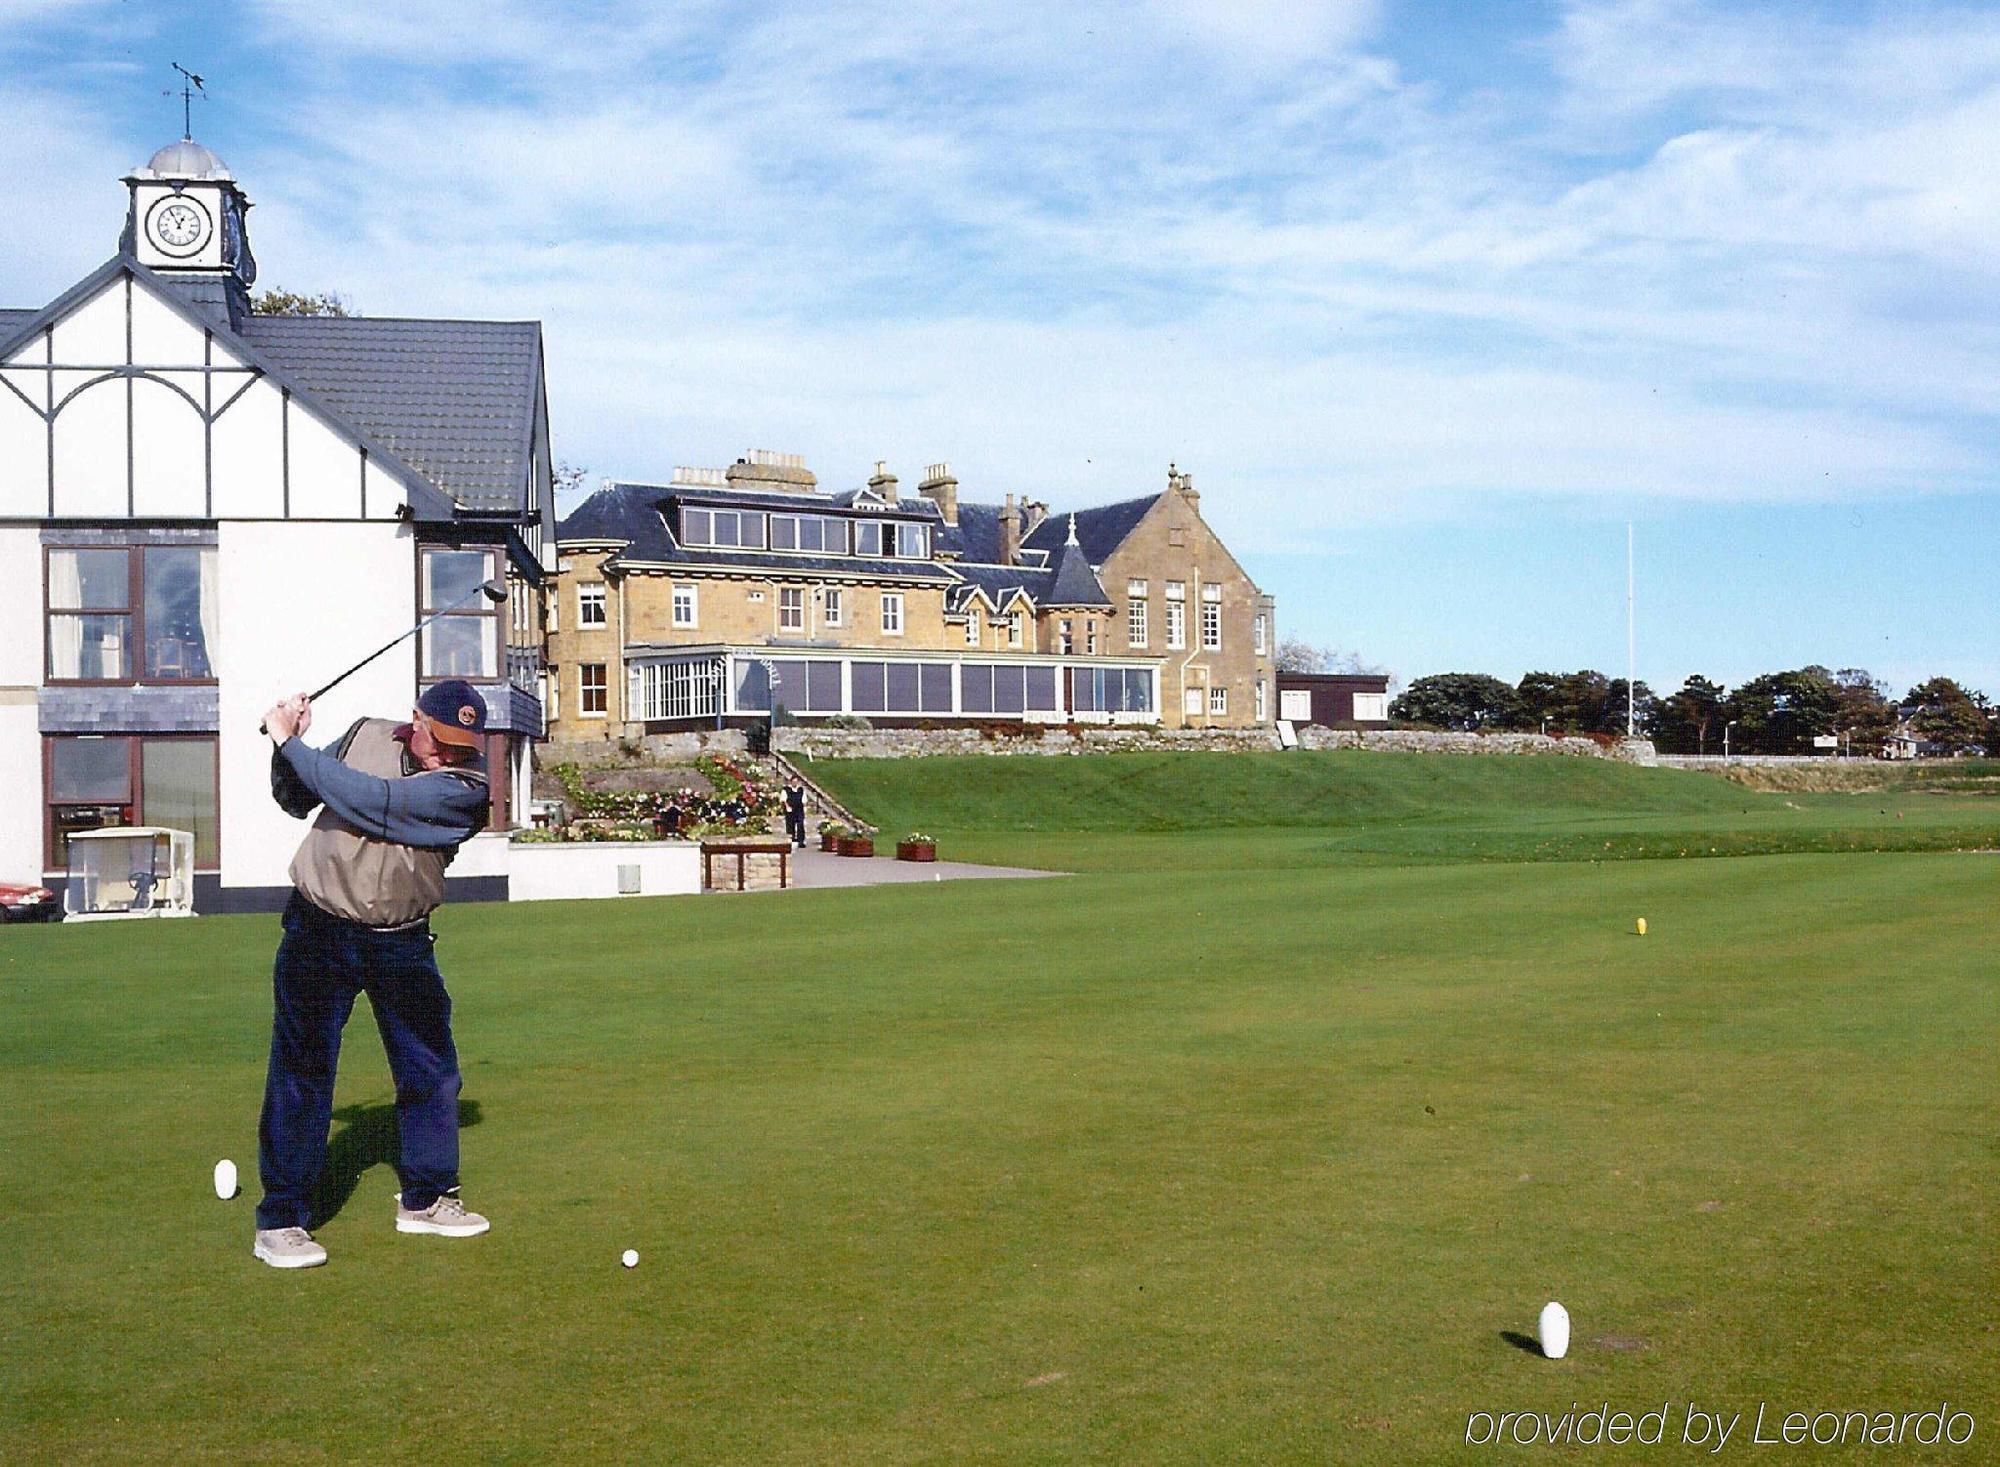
[795,813]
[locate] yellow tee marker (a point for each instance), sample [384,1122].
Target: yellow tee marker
[1642,926]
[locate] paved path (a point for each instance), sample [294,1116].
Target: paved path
[812,867]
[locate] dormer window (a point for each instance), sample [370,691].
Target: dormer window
[724,529]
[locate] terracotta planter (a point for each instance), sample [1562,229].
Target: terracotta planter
[828,841]
[856,845]
[916,850]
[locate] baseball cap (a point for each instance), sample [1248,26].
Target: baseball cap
[455,711]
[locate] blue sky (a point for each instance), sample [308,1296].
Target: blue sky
[1430,298]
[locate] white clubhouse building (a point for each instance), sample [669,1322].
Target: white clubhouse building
[202,509]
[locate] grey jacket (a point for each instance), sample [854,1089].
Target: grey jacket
[378,852]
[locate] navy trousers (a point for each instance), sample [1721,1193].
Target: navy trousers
[323,963]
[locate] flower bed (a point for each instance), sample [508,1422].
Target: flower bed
[916,846]
[743,803]
[855,845]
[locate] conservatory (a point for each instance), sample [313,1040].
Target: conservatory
[687,687]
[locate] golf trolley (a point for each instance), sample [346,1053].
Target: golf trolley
[129,871]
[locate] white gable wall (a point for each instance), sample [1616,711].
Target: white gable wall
[126,443]
[20,675]
[300,602]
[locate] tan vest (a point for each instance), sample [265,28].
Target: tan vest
[375,882]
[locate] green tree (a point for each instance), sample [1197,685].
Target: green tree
[1688,720]
[1456,700]
[1862,712]
[1781,712]
[1948,715]
[291,303]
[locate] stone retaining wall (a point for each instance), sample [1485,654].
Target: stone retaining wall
[1759,761]
[905,743]
[653,748]
[1423,741]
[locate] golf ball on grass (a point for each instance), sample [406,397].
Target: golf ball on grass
[630,1258]
[225,1179]
[1554,1330]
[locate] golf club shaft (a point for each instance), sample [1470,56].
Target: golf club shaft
[317,693]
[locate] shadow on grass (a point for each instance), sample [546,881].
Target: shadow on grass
[1521,1342]
[367,1136]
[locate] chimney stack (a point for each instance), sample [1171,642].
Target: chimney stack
[1036,511]
[942,490]
[1010,534]
[883,482]
[1188,492]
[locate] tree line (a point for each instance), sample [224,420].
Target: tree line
[1776,713]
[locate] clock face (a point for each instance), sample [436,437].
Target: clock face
[179,226]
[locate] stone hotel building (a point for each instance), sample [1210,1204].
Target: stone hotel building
[714,598]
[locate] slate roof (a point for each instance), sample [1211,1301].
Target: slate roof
[1075,583]
[998,582]
[13,321]
[976,536]
[1100,530]
[456,400]
[632,513]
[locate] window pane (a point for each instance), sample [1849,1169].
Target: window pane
[450,575]
[753,688]
[177,780]
[695,528]
[753,530]
[903,688]
[1007,690]
[89,769]
[823,690]
[87,646]
[180,611]
[1138,692]
[975,689]
[833,536]
[96,579]
[936,681]
[725,527]
[1042,689]
[870,691]
[868,539]
[788,684]
[461,646]
[784,532]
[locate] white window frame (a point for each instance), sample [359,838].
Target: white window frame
[1191,703]
[1263,701]
[1090,636]
[589,597]
[1176,626]
[1257,637]
[583,708]
[1016,628]
[972,625]
[1218,702]
[1137,632]
[792,599]
[892,613]
[1066,636]
[831,608]
[693,617]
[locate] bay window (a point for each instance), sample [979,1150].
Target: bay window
[465,641]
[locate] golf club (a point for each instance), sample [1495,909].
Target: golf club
[494,591]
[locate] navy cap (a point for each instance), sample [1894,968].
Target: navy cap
[456,712]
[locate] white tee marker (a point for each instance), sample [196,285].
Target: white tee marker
[225,1179]
[1554,1330]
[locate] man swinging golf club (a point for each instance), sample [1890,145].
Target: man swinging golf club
[398,801]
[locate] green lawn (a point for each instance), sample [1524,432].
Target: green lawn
[1246,1147]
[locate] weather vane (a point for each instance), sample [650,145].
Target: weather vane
[190,89]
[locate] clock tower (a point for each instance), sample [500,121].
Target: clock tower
[186,222]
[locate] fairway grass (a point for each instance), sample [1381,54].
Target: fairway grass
[1250,1155]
